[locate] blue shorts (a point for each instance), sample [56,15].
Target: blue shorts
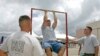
[54,45]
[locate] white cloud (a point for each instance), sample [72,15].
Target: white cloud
[79,12]
[11,10]
[74,9]
[87,14]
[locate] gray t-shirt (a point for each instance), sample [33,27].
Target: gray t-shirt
[48,33]
[89,43]
[22,44]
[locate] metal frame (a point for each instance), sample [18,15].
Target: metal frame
[46,10]
[65,25]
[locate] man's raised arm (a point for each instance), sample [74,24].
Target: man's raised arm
[45,18]
[55,21]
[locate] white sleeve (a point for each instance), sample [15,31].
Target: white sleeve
[37,49]
[81,40]
[95,41]
[4,46]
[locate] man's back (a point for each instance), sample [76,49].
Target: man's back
[22,44]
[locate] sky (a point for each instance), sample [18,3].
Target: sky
[80,13]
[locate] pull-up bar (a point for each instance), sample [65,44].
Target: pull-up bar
[46,10]
[65,25]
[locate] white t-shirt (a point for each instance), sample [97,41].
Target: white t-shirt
[22,44]
[89,43]
[48,33]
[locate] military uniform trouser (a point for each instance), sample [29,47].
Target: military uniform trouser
[85,54]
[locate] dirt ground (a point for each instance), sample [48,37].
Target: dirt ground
[74,51]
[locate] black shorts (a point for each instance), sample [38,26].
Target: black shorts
[86,54]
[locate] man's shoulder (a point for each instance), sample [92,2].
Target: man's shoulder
[34,40]
[32,37]
[43,27]
[93,36]
[11,35]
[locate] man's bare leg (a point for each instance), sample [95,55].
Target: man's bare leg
[48,51]
[61,52]
[2,53]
